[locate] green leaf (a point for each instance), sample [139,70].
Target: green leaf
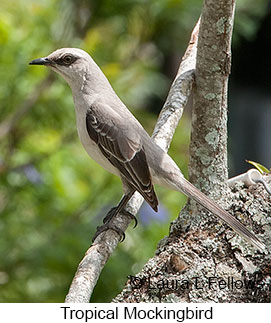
[260,167]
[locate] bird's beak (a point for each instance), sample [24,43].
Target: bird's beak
[41,61]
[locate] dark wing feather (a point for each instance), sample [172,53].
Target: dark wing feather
[127,156]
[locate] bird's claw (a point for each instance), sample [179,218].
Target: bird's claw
[108,226]
[110,215]
[133,217]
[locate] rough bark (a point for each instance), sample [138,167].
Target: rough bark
[208,168]
[210,264]
[208,149]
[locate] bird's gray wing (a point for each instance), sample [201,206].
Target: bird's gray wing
[123,149]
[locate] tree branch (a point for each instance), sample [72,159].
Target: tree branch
[97,255]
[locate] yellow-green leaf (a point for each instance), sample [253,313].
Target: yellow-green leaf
[260,167]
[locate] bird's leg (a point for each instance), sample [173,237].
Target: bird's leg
[120,208]
[112,213]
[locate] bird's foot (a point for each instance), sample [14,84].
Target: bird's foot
[106,227]
[112,213]
[107,223]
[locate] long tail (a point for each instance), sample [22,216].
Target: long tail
[191,191]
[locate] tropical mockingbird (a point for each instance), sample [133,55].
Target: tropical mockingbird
[115,139]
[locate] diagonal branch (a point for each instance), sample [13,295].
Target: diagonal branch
[97,255]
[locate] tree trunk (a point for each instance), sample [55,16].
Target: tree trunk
[202,260]
[208,147]
[210,264]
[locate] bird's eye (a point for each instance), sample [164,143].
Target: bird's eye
[68,59]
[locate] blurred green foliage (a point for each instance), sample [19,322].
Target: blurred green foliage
[52,196]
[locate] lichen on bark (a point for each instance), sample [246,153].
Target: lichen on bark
[210,263]
[208,149]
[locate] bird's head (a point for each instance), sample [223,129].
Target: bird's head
[71,63]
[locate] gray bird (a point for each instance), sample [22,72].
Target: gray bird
[115,139]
